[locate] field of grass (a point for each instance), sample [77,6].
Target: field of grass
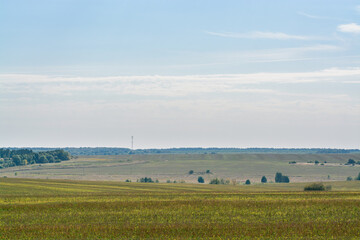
[64,209]
[176,167]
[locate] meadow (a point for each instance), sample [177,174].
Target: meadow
[67,209]
[175,167]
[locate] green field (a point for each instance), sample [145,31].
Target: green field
[64,209]
[176,167]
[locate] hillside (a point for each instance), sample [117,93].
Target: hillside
[176,167]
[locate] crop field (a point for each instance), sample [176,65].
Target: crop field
[64,209]
[173,167]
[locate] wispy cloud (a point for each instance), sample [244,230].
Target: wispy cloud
[311,16]
[270,55]
[320,17]
[262,35]
[349,28]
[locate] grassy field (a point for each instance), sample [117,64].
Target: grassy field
[64,209]
[176,167]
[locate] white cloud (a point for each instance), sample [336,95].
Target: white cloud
[262,35]
[349,28]
[169,86]
[97,110]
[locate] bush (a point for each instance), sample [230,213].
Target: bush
[191,172]
[248,182]
[214,181]
[208,172]
[219,181]
[292,162]
[349,179]
[264,179]
[316,162]
[315,187]
[201,180]
[127,180]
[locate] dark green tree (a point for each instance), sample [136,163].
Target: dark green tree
[278,177]
[248,182]
[16,159]
[43,159]
[264,179]
[201,179]
[285,179]
[351,162]
[50,158]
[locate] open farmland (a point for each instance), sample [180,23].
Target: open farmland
[63,209]
[176,167]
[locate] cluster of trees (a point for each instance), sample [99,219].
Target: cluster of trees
[145,180]
[352,162]
[279,178]
[206,172]
[17,157]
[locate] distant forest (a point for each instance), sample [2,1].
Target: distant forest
[17,157]
[124,151]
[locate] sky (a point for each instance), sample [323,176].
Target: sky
[180,73]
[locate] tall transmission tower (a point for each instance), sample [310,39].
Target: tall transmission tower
[132,142]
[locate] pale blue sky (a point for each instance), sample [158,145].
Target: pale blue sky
[180,73]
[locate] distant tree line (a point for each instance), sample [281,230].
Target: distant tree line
[127,151]
[18,157]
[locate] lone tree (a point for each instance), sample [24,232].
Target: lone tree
[248,182]
[191,172]
[264,179]
[201,179]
